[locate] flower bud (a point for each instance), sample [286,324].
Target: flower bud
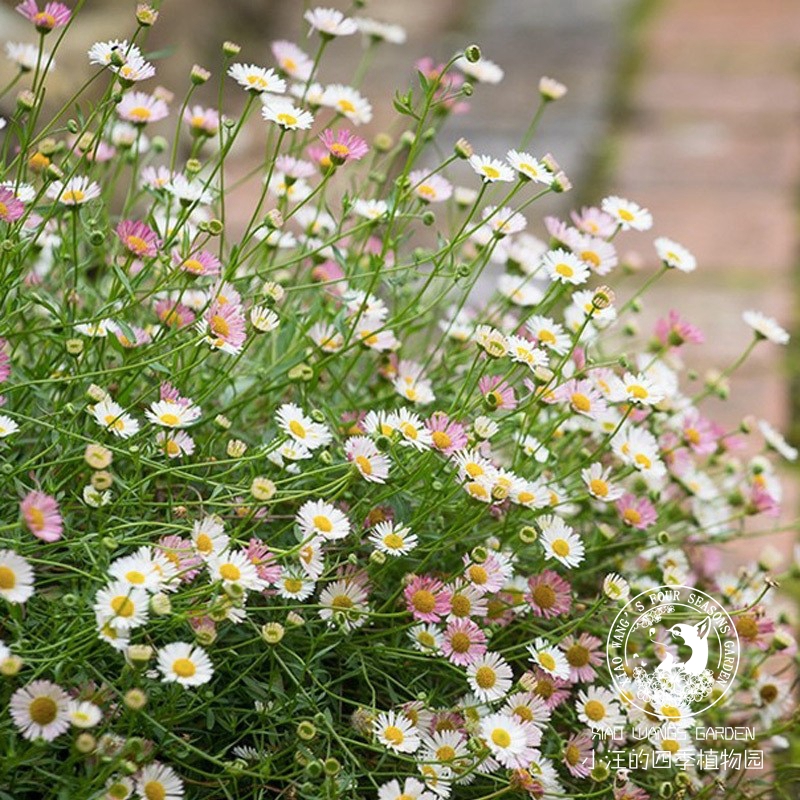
[199,75]
[295,619]
[139,655]
[528,534]
[10,666]
[74,346]
[463,149]
[382,142]
[146,15]
[160,604]
[102,480]
[272,632]
[26,100]
[135,699]
[263,489]
[231,49]
[306,730]
[222,421]
[603,298]
[332,767]
[85,743]
[472,53]
[551,89]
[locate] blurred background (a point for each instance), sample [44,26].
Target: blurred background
[689,108]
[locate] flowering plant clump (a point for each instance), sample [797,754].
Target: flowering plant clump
[292,505]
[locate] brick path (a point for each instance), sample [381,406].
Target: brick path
[713,149]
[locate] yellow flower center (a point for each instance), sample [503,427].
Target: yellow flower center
[154,790]
[123,606]
[219,325]
[578,655]
[137,244]
[485,677]
[393,541]
[490,172]
[192,265]
[638,391]
[342,601]
[134,576]
[426,191]
[460,642]
[643,461]
[140,113]
[595,710]
[423,601]
[256,82]
[670,745]
[746,626]
[364,464]
[340,150]
[501,737]
[547,661]
[36,519]
[72,196]
[672,713]
[8,579]
[409,430]
[394,735]
[768,693]
[561,547]
[173,448]
[524,713]
[345,106]
[572,754]
[580,402]
[44,20]
[460,605]
[445,753]
[598,487]
[626,215]
[544,596]
[43,710]
[297,429]
[204,543]
[287,119]
[632,516]
[230,572]
[565,270]
[322,523]
[170,419]
[293,585]
[548,337]
[473,469]
[478,574]
[590,257]
[184,667]
[441,440]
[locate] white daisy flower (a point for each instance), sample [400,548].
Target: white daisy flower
[411,789]
[598,482]
[491,169]
[302,428]
[565,267]
[393,539]
[344,602]
[312,557]
[75,192]
[257,79]
[316,517]
[114,418]
[627,214]
[549,333]
[483,71]
[641,390]
[84,714]
[7,426]
[330,22]
[186,664]
[170,414]
[427,638]
[772,437]
[40,710]
[234,568]
[295,585]
[289,117]
[615,587]
[675,255]
[381,31]
[123,605]
[529,168]
[371,209]
[549,658]
[765,327]
[560,541]
[396,732]
[25,56]
[509,739]
[208,536]
[160,782]
[489,677]
[348,102]
[264,319]
[598,708]
[368,460]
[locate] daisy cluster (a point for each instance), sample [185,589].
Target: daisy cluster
[337,493]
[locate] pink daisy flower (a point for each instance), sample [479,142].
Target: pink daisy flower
[266,565]
[593,221]
[138,238]
[426,598]
[638,512]
[175,444]
[182,554]
[174,314]
[204,625]
[672,331]
[630,791]
[548,594]
[11,208]
[464,642]
[202,121]
[583,656]
[53,15]
[578,754]
[343,145]
[447,435]
[487,576]
[141,108]
[465,601]
[224,326]
[141,336]
[200,263]
[498,392]
[42,516]
[582,396]
[700,434]
[554,691]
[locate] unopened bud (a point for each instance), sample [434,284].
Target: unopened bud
[463,149]
[473,54]
[263,489]
[199,75]
[231,49]
[146,15]
[272,632]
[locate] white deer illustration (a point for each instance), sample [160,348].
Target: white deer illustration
[696,637]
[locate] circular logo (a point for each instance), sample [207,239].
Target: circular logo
[673,650]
